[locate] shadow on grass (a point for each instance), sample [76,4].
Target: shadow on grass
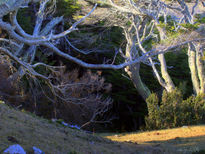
[194,145]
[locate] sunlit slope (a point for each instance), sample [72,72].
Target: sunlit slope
[161,135]
[186,139]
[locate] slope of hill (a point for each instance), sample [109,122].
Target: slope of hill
[27,130]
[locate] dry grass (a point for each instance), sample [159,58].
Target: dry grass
[183,140]
[161,135]
[28,130]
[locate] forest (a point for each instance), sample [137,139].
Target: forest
[105,65]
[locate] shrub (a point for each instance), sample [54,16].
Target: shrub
[78,98]
[173,111]
[170,108]
[152,120]
[82,102]
[199,108]
[9,89]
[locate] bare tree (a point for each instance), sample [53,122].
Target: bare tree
[145,13]
[21,46]
[195,50]
[45,38]
[149,11]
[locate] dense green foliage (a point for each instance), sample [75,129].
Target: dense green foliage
[173,111]
[128,104]
[67,7]
[179,70]
[25,19]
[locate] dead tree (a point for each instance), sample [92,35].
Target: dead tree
[186,14]
[145,13]
[45,36]
[153,10]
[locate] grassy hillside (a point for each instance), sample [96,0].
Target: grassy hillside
[17,127]
[28,130]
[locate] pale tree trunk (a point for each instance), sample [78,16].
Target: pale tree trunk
[196,65]
[193,67]
[201,70]
[134,73]
[169,85]
[195,56]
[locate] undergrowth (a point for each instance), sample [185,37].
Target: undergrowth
[172,111]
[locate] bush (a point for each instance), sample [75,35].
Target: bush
[199,108]
[152,121]
[78,99]
[82,103]
[173,111]
[10,92]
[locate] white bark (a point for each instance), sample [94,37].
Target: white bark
[193,68]
[169,85]
[134,70]
[196,64]
[201,70]
[153,11]
[45,37]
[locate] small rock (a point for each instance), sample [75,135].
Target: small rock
[15,149]
[12,139]
[156,133]
[53,120]
[37,151]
